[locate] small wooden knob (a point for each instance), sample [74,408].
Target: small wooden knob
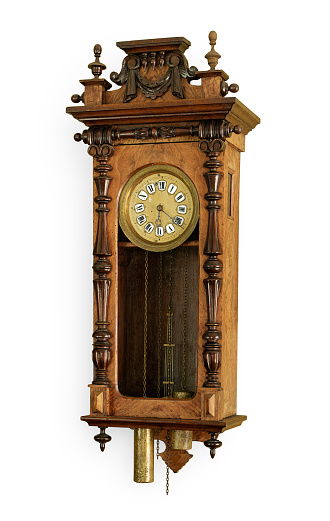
[77,137]
[237,129]
[76,98]
[225,88]
[234,87]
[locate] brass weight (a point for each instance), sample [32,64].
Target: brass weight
[181,440]
[143,455]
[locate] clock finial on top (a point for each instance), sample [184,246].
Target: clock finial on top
[212,56]
[96,66]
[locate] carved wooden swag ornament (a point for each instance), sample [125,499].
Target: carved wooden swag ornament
[130,75]
[165,248]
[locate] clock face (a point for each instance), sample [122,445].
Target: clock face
[158,208]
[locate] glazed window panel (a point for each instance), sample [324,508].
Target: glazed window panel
[168,279]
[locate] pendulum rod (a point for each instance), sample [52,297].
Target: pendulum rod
[160,290]
[184,341]
[145,331]
[169,382]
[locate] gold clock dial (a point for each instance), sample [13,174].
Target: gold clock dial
[158,208]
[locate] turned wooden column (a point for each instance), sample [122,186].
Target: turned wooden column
[102,266]
[212,265]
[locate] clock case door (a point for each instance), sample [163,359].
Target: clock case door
[143,319]
[127,368]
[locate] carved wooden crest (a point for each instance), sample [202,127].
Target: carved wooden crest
[154,68]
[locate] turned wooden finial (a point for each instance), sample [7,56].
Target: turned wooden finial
[213,444]
[212,56]
[96,66]
[102,438]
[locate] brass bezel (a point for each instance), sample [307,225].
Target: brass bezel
[124,219]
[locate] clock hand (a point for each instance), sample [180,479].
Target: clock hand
[158,222]
[160,209]
[168,215]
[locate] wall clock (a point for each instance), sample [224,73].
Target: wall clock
[166,163]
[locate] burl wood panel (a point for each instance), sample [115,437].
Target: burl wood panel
[99,399]
[229,308]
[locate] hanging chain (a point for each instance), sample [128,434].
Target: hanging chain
[171,270]
[160,289]
[167,462]
[145,335]
[170,355]
[157,444]
[184,342]
[169,367]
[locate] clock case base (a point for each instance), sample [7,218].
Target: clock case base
[201,429]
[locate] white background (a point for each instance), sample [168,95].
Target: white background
[275,466]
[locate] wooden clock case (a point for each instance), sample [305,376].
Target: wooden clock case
[158,116]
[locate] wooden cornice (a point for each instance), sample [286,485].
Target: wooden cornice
[156,45]
[180,110]
[241,115]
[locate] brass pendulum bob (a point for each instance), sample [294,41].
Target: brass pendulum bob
[181,440]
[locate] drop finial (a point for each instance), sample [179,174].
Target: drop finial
[102,438]
[213,443]
[212,56]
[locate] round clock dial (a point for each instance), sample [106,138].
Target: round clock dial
[158,208]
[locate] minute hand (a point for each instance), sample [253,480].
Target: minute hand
[168,215]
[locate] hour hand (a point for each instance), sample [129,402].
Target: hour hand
[158,222]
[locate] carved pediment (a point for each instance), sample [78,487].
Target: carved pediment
[154,67]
